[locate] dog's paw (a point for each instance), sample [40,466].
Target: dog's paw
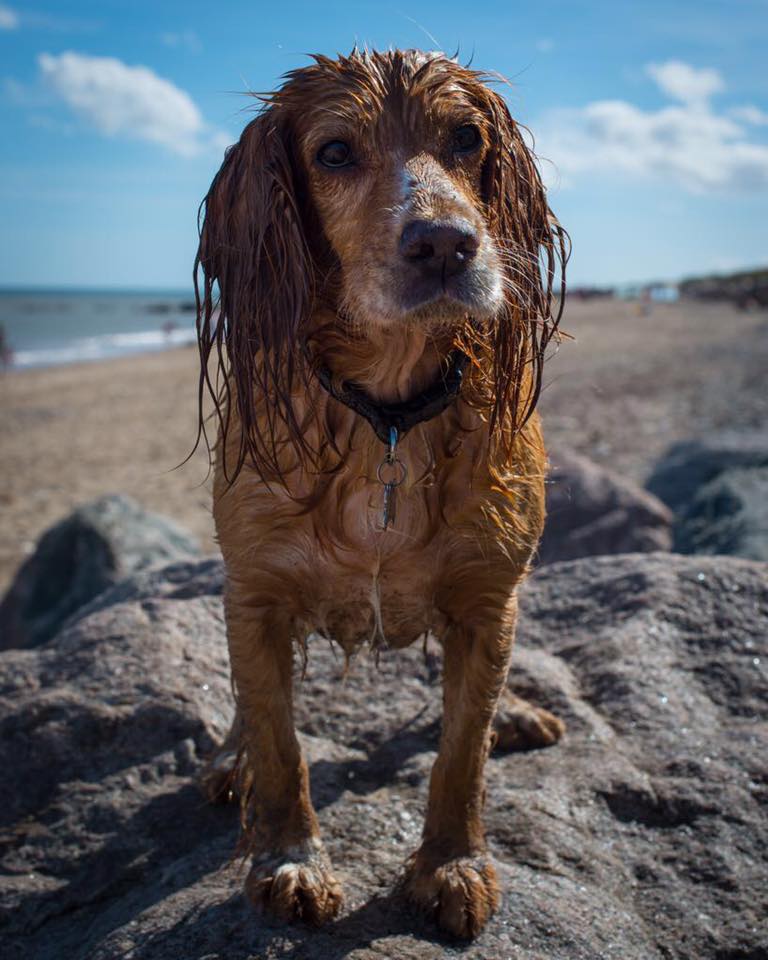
[461,894]
[302,888]
[519,725]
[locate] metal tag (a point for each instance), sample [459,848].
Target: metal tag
[391,473]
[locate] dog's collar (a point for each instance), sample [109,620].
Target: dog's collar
[402,416]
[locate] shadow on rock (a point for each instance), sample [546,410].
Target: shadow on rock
[650,812]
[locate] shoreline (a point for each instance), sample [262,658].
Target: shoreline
[621,393]
[73,432]
[185,341]
[46,328]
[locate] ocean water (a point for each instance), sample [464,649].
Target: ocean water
[50,327]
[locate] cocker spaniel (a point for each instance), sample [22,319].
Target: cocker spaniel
[375,295]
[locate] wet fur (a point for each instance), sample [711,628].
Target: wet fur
[306,270]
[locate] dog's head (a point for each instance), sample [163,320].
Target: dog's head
[393,151]
[396,190]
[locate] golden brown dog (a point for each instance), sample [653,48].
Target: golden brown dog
[377,259]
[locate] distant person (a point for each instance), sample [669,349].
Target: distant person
[169,328]
[6,351]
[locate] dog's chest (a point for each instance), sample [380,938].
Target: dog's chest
[377,583]
[322,560]
[375,611]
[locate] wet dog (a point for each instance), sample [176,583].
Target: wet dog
[376,268]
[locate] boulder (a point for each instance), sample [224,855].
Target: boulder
[643,835]
[593,511]
[718,489]
[97,545]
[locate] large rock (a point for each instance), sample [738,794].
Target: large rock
[642,836]
[718,488]
[97,545]
[593,511]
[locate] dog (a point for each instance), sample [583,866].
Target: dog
[375,296]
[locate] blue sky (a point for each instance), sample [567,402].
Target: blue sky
[653,118]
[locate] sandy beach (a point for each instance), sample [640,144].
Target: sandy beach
[626,388]
[71,433]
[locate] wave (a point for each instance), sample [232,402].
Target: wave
[102,347]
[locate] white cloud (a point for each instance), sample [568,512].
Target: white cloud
[21,95]
[120,100]
[683,82]
[751,114]
[43,121]
[9,19]
[185,39]
[687,142]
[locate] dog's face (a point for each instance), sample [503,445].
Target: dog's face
[390,191]
[394,158]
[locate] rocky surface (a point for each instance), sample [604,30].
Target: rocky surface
[643,835]
[91,549]
[718,489]
[592,511]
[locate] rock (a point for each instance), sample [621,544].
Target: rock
[718,488]
[97,545]
[728,515]
[688,466]
[642,836]
[592,511]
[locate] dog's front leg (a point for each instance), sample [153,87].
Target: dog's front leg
[290,875]
[451,874]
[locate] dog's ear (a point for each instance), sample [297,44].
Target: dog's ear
[534,249]
[256,291]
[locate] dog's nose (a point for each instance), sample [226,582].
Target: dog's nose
[439,247]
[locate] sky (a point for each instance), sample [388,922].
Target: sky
[651,120]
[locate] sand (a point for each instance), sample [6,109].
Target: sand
[622,392]
[72,433]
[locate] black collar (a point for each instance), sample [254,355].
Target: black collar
[384,417]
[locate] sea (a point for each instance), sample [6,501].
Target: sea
[51,327]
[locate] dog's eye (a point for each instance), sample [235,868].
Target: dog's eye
[335,154]
[466,139]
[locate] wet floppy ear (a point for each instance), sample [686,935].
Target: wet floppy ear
[254,281]
[516,197]
[534,252]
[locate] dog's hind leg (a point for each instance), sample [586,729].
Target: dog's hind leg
[520,725]
[291,875]
[217,778]
[451,873]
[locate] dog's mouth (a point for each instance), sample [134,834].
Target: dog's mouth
[476,291]
[414,298]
